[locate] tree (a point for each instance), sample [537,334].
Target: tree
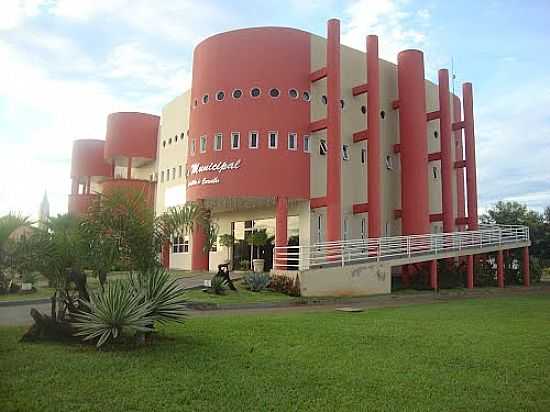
[257,238]
[8,225]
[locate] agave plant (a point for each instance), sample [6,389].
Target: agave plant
[111,311]
[217,285]
[165,296]
[256,282]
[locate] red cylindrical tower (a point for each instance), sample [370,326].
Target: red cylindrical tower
[445,131]
[334,112]
[471,180]
[526,274]
[459,156]
[373,126]
[413,143]
[500,269]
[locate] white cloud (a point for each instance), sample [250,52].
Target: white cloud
[14,12]
[389,20]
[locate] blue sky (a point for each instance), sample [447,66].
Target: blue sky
[66,64]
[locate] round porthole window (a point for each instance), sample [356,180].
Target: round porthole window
[436,134]
[342,103]
[293,93]
[324,99]
[205,99]
[220,96]
[164,143]
[237,93]
[364,109]
[382,114]
[255,92]
[307,96]
[274,93]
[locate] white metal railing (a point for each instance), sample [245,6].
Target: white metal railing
[385,248]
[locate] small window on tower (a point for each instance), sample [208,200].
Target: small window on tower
[253,142]
[324,99]
[202,144]
[389,162]
[345,152]
[323,149]
[307,141]
[292,141]
[180,171]
[273,137]
[235,140]
[218,142]
[193,147]
[435,172]
[363,156]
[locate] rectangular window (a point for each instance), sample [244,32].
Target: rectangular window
[389,162]
[435,172]
[292,141]
[306,144]
[180,244]
[202,146]
[272,137]
[323,149]
[363,156]
[345,152]
[173,173]
[167,175]
[235,140]
[162,176]
[193,148]
[218,139]
[253,142]
[363,228]
[180,171]
[319,229]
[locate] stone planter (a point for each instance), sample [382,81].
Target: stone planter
[258,265]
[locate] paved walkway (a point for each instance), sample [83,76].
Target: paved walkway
[20,314]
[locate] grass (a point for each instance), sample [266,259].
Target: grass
[242,295]
[39,293]
[472,355]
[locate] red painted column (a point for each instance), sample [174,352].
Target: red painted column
[470,271]
[433,275]
[281,225]
[373,143]
[459,155]
[199,257]
[165,255]
[129,171]
[414,145]
[500,269]
[445,132]
[405,276]
[471,180]
[334,160]
[526,274]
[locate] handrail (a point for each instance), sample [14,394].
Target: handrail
[344,252]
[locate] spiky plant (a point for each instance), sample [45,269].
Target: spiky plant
[256,282]
[165,296]
[112,311]
[217,285]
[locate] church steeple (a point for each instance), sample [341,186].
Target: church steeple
[44,212]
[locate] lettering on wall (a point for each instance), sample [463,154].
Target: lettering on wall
[219,167]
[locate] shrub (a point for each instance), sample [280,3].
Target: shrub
[111,311]
[285,284]
[244,264]
[450,274]
[29,277]
[217,285]
[256,282]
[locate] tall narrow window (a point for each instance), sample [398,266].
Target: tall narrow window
[319,228]
[193,147]
[345,152]
[218,139]
[292,141]
[253,140]
[363,156]
[235,140]
[363,228]
[307,141]
[167,175]
[202,146]
[162,176]
[389,162]
[180,170]
[323,149]
[173,173]
[435,172]
[273,136]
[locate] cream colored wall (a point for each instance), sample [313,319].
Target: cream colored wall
[174,121]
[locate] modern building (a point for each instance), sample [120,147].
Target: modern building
[344,158]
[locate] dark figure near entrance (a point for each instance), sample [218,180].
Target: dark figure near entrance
[223,272]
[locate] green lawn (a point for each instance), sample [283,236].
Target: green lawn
[242,295]
[471,355]
[40,293]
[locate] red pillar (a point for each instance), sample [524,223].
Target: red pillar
[334,157]
[459,155]
[405,276]
[500,269]
[129,171]
[373,148]
[199,256]
[526,274]
[433,275]
[165,255]
[446,152]
[281,225]
[414,143]
[470,271]
[88,185]
[471,180]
